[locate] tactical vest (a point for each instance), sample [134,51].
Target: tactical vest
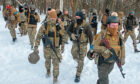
[53,34]
[82,33]
[130,23]
[32,19]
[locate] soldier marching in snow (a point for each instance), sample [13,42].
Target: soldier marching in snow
[23,22]
[107,49]
[51,35]
[138,37]
[129,29]
[12,18]
[33,19]
[81,35]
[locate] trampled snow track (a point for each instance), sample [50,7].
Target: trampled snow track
[15,68]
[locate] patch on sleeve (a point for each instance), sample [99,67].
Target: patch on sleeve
[16,13]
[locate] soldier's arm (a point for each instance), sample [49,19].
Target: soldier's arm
[70,28]
[97,47]
[89,33]
[38,18]
[39,35]
[90,21]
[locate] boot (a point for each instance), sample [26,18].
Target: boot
[77,79]
[48,73]
[55,80]
[14,39]
[136,51]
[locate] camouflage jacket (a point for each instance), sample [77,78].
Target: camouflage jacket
[11,15]
[86,33]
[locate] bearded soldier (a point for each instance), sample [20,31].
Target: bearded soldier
[107,49]
[51,35]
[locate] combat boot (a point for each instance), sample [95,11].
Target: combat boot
[136,51]
[14,39]
[77,79]
[55,80]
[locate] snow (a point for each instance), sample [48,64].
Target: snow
[15,68]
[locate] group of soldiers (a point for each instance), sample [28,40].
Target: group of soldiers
[106,47]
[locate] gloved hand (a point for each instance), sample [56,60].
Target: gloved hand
[90,55]
[36,49]
[73,37]
[19,24]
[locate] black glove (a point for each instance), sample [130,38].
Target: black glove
[90,55]
[19,24]
[80,30]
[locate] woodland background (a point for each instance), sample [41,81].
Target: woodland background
[114,5]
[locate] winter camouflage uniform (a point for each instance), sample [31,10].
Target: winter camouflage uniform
[55,35]
[12,17]
[85,37]
[130,25]
[23,23]
[105,68]
[33,19]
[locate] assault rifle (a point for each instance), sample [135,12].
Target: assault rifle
[113,56]
[46,41]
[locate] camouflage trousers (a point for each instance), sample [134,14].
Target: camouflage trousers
[79,56]
[23,29]
[94,30]
[103,72]
[12,28]
[138,37]
[133,37]
[51,57]
[31,33]
[65,39]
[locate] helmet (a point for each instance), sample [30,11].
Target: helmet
[33,58]
[113,19]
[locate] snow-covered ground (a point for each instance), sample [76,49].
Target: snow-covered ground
[15,68]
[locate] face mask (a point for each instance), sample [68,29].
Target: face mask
[113,28]
[79,21]
[32,11]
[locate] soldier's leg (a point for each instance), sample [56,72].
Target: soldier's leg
[138,37]
[133,36]
[29,30]
[21,29]
[47,55]
[74,51]
[12,30]
[103,72]
[126,36]
[83,51]
[33,36]
[56,65]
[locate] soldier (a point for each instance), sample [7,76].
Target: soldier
[54,34]
[67,20]
[120,15]
[138,38]
[33,19]
[12,18]
[93,22]
[80,35]
[104,61]
[130,25]
[48,11]
[23,23]
[104,19]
